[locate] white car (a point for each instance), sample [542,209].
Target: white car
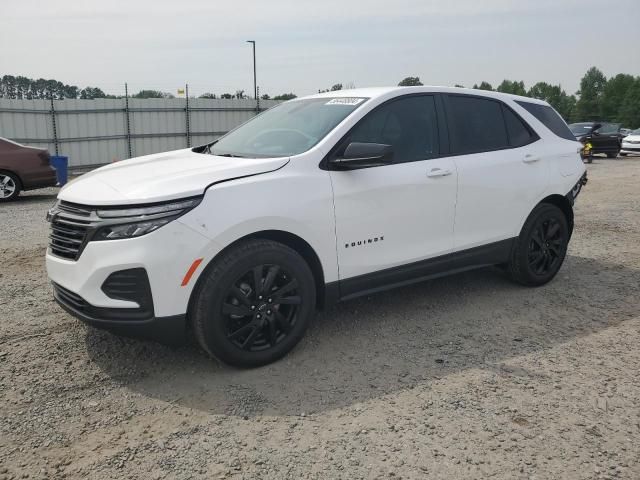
[631,143]
[319,199]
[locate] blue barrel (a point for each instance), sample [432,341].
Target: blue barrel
[61,164]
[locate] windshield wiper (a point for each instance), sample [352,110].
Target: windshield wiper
[231,155]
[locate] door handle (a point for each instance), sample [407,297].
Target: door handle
[528,158]
[439,172]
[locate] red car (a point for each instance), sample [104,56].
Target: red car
[23,168]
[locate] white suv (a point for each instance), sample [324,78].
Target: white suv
[319,199]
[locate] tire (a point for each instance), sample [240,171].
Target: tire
[612,155]
[9,186]
[245,326]
[541,247]
[623,154]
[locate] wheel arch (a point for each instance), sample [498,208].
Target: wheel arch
[289,239]
[563,204]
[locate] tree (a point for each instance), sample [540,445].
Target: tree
[457,85]
[556,97]
[89,93]
[208,95]
[483,86]
[613,96]
[265,97]
[513,87]
[285,96]
[226,96]
[240,94]
[334,88]
[152,94]
[592,87]
[629,113]
[410,82]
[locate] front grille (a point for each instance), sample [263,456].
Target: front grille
[70,224]
[67,236]
[75,209]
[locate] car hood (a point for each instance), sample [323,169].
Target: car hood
[634,138]
[160,177]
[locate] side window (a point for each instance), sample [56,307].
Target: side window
[476,125]
[409,125]
[609,129]
[519,133]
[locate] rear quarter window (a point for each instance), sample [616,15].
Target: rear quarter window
[549,117]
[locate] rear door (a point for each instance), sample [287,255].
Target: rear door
[501,169]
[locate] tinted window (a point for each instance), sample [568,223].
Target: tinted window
[408,124]
[519,133]
[549,118]
[476,125]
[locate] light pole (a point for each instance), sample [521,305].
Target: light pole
[255,85]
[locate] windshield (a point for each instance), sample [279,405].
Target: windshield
[580,128]
[286,129]
[635,132]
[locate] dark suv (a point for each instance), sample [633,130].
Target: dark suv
[604,137]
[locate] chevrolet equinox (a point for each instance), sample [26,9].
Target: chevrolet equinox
[316,200]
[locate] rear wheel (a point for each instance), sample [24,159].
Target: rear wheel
[612,155]
[541,247]
[623,154]
[254,303]
[9,186]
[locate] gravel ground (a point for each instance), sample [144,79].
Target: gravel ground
[469,376]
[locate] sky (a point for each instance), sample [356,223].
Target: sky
[303,46]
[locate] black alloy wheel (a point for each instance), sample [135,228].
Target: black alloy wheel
[261,308]
[253,303]
[541,247]
[546,247]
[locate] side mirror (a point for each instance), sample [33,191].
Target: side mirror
[364,155]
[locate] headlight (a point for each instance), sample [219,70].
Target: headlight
[131,222]
[178,207]
[130,230]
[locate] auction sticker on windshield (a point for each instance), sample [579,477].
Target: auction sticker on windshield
[345,101]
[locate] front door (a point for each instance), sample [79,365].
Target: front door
[397,214]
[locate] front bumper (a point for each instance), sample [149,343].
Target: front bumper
[167,330]
[165,255]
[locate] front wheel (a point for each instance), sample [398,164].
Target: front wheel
[612,155]
[254,303]
[541,247]
[623,154]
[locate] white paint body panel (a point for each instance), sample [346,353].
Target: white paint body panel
[393,215]
[486,198]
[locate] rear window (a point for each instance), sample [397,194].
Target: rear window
[549,118]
